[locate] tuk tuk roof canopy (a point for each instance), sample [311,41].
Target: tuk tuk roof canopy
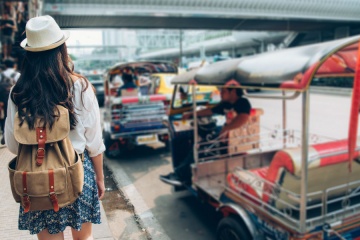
[144,67]
[291,68]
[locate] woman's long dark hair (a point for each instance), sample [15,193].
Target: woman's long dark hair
[45,82]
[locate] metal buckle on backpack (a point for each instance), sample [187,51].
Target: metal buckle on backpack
[38,152]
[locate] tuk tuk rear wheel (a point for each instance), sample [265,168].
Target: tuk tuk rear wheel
[112,146]
[167,145]
[231,228]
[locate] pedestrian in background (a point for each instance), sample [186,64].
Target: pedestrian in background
[10,70]
[48,80]
[8,78]
[4,96]
[8,29]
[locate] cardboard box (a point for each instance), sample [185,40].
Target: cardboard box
[246,137]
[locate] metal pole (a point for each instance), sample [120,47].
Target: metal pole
[304,159]
[181,48]
[195,124]
[202,53]
[284,118]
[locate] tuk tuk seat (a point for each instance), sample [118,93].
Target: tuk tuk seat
[285,171]
[130,92]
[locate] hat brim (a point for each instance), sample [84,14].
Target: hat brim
[24,45]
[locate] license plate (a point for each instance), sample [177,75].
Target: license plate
[145,139]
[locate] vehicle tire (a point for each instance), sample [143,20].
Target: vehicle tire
[178,188]
[112,146]
[167,145]
[231,228]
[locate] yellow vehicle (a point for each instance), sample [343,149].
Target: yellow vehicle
[161,83]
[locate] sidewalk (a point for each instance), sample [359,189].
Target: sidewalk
[9,210]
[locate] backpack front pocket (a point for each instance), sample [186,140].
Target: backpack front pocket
[76,172]
[38,183]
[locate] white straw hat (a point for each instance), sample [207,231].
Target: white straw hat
[43,33]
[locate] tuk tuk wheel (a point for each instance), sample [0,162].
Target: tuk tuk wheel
[231,228]
[168,145]
[112,146]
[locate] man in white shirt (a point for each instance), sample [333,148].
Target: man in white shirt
[10,75]
[117,81]
[10,71]
[2,108]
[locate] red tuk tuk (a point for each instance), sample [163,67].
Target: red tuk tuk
[283,183]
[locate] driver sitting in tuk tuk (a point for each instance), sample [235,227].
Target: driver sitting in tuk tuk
[232,100]
[128,80]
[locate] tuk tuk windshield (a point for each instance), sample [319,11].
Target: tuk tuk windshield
[140,72]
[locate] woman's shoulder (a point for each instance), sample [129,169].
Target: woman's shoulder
[77,79]
[80,83]
[84,94]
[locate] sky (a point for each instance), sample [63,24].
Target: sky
[84,37]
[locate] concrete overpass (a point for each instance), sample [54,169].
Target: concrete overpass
[301,21]
[267,15]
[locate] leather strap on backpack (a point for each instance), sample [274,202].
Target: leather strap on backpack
[52,194]
[26,198]
[41,139]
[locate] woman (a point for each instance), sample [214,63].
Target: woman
[48,80]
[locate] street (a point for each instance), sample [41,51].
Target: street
[177,216]
[180,215]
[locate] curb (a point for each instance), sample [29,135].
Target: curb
[142,214]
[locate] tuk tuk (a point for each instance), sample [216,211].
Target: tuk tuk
[274,183]
[134,116]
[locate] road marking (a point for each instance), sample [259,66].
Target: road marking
[140,207]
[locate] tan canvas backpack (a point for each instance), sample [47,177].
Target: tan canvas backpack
[47,172]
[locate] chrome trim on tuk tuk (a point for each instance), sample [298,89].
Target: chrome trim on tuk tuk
[304,162]
[135,133]
[284,116]
[263,96]
[196,159]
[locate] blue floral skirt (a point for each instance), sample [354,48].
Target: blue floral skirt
[85,209]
